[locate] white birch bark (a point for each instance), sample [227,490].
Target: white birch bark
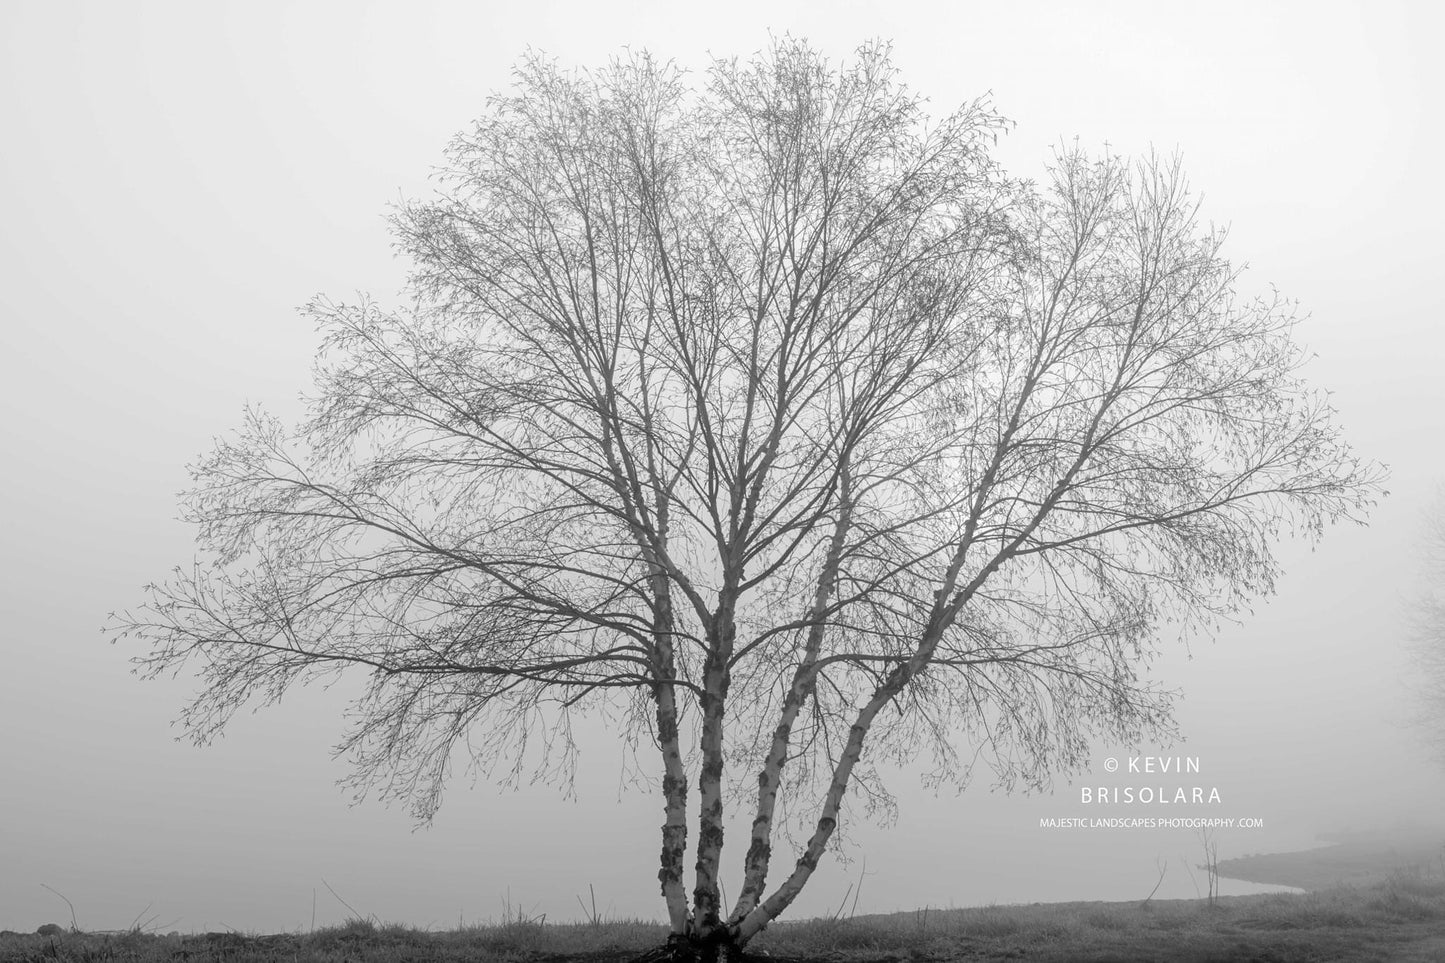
[760,850]
[707,907]
[674,777]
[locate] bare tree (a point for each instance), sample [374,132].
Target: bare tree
[771,412]
[1211,862]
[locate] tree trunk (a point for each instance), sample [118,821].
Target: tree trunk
[674,827]
[707,908]
[769,909]
[674,773]
[760,849]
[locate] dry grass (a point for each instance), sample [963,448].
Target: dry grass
[1402,918]
[1399,919]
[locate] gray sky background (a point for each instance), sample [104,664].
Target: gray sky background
[178,177]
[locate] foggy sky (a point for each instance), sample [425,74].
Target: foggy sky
[177,178]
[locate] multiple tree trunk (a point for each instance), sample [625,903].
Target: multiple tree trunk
[780,411]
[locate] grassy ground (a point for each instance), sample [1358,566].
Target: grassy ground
[1371,899]
[1399,919]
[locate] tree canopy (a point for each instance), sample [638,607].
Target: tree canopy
[766,411]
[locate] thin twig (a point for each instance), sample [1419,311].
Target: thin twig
[135,923]
[1158,883]
[74,926]
[340,900]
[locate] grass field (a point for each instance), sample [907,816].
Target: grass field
[1399,919]
[1380,903]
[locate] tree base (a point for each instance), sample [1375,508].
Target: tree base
[681,949]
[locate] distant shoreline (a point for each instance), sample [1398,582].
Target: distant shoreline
[1350,859]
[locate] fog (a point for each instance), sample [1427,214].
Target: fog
[178,178]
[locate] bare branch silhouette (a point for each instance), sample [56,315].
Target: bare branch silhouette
[773,416]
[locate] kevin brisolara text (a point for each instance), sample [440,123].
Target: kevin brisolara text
[1149,822]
